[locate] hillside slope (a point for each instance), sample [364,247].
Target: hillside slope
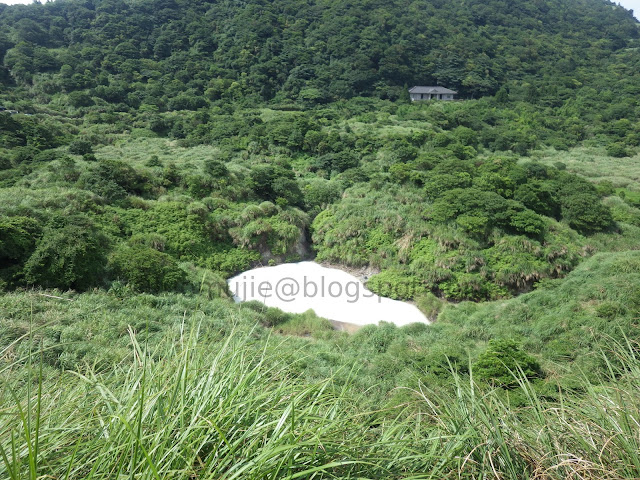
[160,146]
[317,50]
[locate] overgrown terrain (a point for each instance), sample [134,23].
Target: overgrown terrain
[160,147]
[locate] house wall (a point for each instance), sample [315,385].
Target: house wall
[427,96]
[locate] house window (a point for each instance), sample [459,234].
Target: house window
[421,96]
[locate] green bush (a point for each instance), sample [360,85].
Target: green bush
[396,285]
[80,147]
[502,362]
[618,150]
[146,269]
[70,254]
[585,213]
[18,237]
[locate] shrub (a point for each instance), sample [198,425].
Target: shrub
[154,161]
[585,213]
[80,99]
[80,147]
[501,362]
[273,182]
[319,193]
[215,168]
[526,222]
[429,304]
[395,284]
[24,155]
[70,254]
[18,237]
[540,197]
[146,269]
[618,150]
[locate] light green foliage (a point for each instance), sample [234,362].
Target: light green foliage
[595,165]
[267,226]
[320,193]
[231,260]
[622,211]
[186,233]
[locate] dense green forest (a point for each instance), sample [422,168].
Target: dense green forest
[150,150]
[173,54]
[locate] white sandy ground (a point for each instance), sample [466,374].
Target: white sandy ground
[331,293]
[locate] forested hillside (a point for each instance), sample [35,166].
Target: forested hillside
[175,54]
[150,150]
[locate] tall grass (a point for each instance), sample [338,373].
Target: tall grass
[190,408]
[591,435]
[182,411]
[594,164]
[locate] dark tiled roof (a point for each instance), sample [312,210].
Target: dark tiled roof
[430,90]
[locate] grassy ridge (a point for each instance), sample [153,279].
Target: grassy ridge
[561,324]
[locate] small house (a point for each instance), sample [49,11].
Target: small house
[431,93]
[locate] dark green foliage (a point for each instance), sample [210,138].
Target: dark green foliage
[154,161]
[18,130]
[585,213]
[539,196]
[335,162]
[477,212]
[179,57]
[18,237]
[618,150]
[113,180]
[502,363]
[70,254]
[319,194]
[215,168]
[79,99]
[502,96]
[24,155]
[80,147]
[146,269]
[276,183]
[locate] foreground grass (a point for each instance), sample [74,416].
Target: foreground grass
[182,411]
[195,408]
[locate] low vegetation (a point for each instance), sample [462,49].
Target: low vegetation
[151,150]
